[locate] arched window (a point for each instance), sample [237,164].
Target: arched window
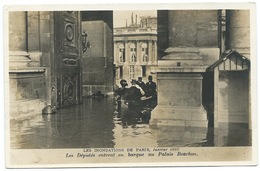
[144,52]
[121,53]
[133,52]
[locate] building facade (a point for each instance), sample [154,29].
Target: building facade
[44,61]
[48,69]
[135,49]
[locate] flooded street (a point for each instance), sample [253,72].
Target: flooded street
[95,124]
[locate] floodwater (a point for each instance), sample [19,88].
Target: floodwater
[95,124]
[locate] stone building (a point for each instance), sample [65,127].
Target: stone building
[135,49]
[190,43]
[46,59]
[97,73]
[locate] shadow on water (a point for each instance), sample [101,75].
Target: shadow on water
[95,124]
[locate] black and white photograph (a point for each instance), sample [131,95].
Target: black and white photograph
[130,85]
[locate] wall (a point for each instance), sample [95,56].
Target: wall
[44,28]
[26,93]
[97,61]
[233,97]
[29,75]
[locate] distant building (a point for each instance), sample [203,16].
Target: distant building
[98,60]
[135,48]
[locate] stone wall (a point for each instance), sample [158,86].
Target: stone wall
[26,92]
[233,97]
[30,52]
[97,61]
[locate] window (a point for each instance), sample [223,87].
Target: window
[144,52]
[143,71]
[133,52]
[121,53]
[121,72]
[132,72]
[133,58]
[145,58]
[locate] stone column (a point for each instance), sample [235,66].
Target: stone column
[239,31]
[116,57]
[19,56]
[127,51]
[34,38]
[182,28]
[155,53]
[138,53]
[179,73]
[150,52]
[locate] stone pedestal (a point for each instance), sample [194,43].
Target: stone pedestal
[26,92]
[19,59]
[179,97]
[179,56]
[179,136]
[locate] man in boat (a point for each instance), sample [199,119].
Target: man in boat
[150,86]
[151,93]
[120,94]
[135,104]
[141,83]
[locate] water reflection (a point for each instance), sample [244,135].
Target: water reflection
[95,124]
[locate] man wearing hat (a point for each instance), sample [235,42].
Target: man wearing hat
[135,84]
[141,83]
[151,87]
[133,97]
[120,94]
[135,92]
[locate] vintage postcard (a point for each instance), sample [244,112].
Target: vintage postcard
[130,85]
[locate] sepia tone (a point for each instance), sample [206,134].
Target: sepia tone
[66,67]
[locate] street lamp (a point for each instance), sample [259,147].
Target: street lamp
[85,44]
